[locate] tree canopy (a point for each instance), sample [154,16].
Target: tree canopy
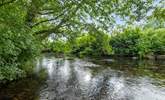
[68,16]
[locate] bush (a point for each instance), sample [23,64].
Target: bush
[152,42]
[125,43]
[138,42]
[92,44]
[60,47]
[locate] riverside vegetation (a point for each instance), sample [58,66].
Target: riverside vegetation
[81,28]
[131,42]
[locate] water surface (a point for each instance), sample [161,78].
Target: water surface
[99,79]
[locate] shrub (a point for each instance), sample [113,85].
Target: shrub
[60,47]
[92,44]
[152,42]
[125,43]
[138,42]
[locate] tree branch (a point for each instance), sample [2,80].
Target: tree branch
[66,9]
[65,19]
[55,29]
[45,13]
[36,24]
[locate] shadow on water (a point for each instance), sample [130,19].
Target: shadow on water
[23,89]
[92,79]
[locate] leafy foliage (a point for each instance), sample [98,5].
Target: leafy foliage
[152,41]
[78,15]
[87,44]
[92,44]
[138,42]
[124,43]
[60,47]
[17,43]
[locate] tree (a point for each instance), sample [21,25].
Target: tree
[63,16]
[17,44]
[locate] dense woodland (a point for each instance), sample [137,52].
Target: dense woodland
[83,28]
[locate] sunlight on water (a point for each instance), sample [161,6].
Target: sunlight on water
[79,79]
[104,79]
[65,70]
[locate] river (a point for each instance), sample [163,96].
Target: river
[91,79]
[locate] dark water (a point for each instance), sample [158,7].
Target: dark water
[92,79]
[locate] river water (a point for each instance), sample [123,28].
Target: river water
[92,79]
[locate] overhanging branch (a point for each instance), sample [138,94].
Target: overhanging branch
[36,24]
[64,20]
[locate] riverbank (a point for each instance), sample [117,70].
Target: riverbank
[25,88]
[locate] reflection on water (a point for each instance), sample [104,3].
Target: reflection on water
[105,80]
[92,79]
